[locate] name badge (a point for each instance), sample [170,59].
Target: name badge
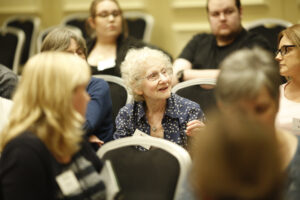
[106,64]
[68,182]
[296,125]
[138,133]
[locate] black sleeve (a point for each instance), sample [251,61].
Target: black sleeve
[23,175]
[91,155]
[190,49]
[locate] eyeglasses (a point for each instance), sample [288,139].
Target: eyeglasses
[106,14]
[166,72]
[284,49]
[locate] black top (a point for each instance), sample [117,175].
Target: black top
[28,171]
[204,53]
[123,45]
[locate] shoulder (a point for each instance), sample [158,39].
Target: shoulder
[202,37]
[251,39]
[131,42]
[183,101]
[128,109]
[26,140]
[97,83]
[26,148]
[4,71]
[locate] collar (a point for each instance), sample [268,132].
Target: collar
[172,109]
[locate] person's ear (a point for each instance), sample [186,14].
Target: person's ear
[91,22]
[138,91]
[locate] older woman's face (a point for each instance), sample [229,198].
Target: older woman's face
[75,49]
[262,108]
[288,58]
[108,19]
[156,83]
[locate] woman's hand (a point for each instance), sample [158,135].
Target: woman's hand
[95,139]
[192,125]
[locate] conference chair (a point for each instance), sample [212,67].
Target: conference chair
[158,173]
[118,92]
[12,41]
[268,28]
[78,20]
[199,90]
[140,25]
[30,25]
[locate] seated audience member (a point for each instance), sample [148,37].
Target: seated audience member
[111,41]
[42,146]
[249,82]
[288,57]
[155,111]
[5,106]
[201,56]
[99,122]
[8,82]
[236,158]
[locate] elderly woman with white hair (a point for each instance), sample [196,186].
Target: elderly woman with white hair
[155,110]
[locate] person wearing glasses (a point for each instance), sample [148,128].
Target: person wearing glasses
[288,57]
[203,53]
[110,40]
[99,122]
[155,111]
[43,153]
[248,83]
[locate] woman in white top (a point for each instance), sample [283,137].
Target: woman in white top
[288,57]
[5,106]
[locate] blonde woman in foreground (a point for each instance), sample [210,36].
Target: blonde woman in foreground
[42,148]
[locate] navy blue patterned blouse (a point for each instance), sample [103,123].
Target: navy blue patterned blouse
[178,113]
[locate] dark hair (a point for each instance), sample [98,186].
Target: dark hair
[93,13]
[237,3]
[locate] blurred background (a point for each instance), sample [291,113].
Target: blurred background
[175,21]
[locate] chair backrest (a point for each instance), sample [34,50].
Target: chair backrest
[12,41]
[157,173]
[198,90]
[269,28]
[43,33]
[118,92]
[77,20]
[30,26]
[140,25]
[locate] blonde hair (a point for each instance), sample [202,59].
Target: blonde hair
[292,33]
[134,66]
[43,102]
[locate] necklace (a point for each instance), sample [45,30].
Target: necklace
[154,129]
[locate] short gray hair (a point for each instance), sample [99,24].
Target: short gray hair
[244,73]
[134,65]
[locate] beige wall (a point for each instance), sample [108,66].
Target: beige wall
[175,20]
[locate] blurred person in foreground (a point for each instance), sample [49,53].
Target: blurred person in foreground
[43,153]
[249,83]
[236,158]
